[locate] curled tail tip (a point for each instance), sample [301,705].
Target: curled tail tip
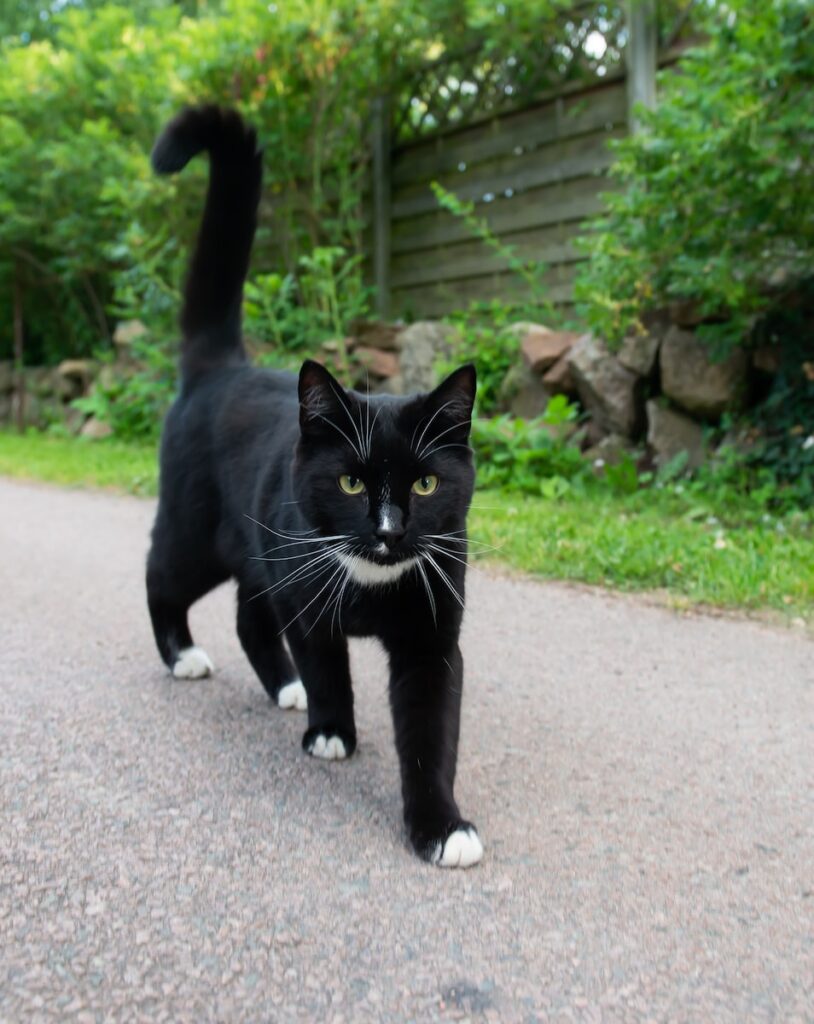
[202,128]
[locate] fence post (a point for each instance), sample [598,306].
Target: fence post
[380,141]
[642,57]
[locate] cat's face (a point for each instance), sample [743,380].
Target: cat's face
[388,475]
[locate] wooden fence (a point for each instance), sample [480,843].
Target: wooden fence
[534,175]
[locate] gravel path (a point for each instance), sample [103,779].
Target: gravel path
[643,782]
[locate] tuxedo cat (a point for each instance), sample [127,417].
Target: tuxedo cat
[339,514]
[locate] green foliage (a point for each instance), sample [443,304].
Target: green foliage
[536,456]
[716,203]
[134,402]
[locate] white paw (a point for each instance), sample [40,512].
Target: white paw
[329,748]
[292,695]
[193,663]
[461,850]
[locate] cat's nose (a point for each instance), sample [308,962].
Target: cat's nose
[390,527]
[390,533]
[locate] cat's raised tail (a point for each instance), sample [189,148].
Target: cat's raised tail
[213,294]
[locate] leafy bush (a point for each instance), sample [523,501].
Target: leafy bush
[717,197]
[536,456]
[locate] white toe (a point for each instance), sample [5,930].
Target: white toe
[292,695]
[193,663]
[461,850]
[328,748]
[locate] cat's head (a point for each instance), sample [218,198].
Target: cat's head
[389,475]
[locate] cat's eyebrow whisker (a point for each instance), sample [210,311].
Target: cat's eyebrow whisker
[344,405]
[428,588]
[444,578]
[429,444]
[342,432]
[441,447]
[427,425]
[370,432]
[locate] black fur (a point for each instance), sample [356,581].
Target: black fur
[250,468]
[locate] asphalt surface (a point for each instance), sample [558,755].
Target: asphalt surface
[643,784]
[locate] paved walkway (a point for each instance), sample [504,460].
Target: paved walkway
[643,783]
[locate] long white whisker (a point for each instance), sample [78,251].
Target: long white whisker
[329,599]
[428,588]
[445,579]
[301,572]
[313,599]
[299,543]
[291,534]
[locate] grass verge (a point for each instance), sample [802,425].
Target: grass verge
[650,540]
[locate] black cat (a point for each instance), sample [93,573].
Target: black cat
[338,514]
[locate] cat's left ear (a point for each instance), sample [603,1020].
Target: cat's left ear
[322,399]
[450,405]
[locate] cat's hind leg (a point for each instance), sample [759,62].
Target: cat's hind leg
[259,631]
[172,588]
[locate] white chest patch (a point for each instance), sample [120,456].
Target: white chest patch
[372,574]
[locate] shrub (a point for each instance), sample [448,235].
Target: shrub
[717,197]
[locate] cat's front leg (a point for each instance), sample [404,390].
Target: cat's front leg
[425,696]
[322,662]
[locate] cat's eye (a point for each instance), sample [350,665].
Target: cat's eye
[351,484]
[425,485]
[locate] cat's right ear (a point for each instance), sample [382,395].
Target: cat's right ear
[321,398]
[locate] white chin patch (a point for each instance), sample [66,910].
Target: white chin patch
[329,748]
[193,663]
[461,850]
[373,574]
[292,696]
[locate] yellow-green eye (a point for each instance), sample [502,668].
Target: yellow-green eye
[351,484]
[425,485]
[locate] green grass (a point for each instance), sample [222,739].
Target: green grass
[722,551]
[115,465]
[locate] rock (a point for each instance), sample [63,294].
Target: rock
[609,450]
[521,328]
[39,380]
[638,353]
[7,377]
[376,334]
[559,380]
[34,411]
[389,386]
[685,313]
[670,432]
[692,380]
[127,332]
[522,393]
[96,429]
[422,345]
[73,377]
[541,349]
[610,392]
[379,363]
[74,419]
[335,346]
